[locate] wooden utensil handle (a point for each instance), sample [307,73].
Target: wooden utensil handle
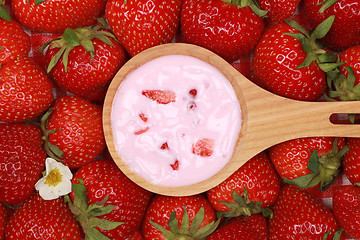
[281,119]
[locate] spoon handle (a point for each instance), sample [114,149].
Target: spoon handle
[270,119]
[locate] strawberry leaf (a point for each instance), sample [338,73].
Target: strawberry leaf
[310,57]
[185,222]
[89,46]
[173,223]
[55,59]
[167,234]
[199,217]
[241,206]
[306,181]
[77,37]
[37,2]
[292,23]
[323,28]
[207,230]
[313,163]
[94,234]
[4,14]
[185,231]
[350,78]
[66,58]
[327,67]
[326,4]
[71,37]
[86,215]
[103,223]
[47,44]
[80,199]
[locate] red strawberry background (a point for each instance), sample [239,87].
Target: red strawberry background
[244,65]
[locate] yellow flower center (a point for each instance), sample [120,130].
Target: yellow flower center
[53,178]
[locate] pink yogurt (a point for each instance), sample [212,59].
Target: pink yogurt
[188,137]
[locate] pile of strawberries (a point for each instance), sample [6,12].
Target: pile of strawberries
[51,106]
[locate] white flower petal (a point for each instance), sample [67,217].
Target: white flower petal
[63,188]
[65,171]
[51,163]
[49,192]
[39,184]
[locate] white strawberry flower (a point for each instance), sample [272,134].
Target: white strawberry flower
[56,182]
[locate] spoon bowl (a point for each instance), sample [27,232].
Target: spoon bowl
[267,119]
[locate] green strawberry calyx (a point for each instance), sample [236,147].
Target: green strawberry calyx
[242,206]
[327,61]
[326,4]
[88,215]
[72,38]
[344,87]
[37,2]
[4,14]
[52,150]
[253,4]
[187,231]
[323,169]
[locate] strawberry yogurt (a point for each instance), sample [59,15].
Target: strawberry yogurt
[176,120]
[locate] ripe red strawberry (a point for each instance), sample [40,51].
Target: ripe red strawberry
[346,208]
[25,91]
[141,24]
[160,96]
[351,161]
[345,31]
[288,61]
[262,184]
[252,227]
[297,215]
[37,218]
[22,159]
[88,64]
[74,127]
[14,41]
[351,57]
[167,214]
[224,28]
[278,10]
[107,184]
[56,16]
[309,162]
[3,220]
[137,236]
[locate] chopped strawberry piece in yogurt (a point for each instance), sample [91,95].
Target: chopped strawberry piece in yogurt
[193,92]
[160,96]
[143,117]
[175,165]
[164,146]
[192,106]
[141,131]
[204,147]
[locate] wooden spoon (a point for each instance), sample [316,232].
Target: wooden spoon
[268,119]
